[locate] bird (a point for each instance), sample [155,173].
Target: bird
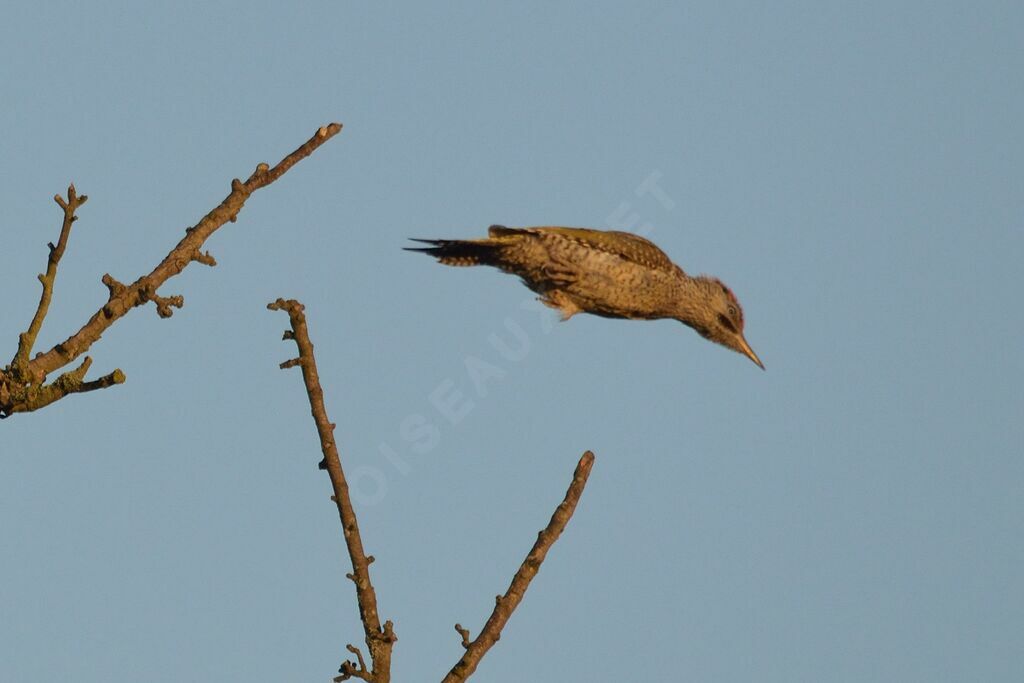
[608,273]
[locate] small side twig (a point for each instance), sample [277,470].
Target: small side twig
[464,632]
[350,669]
[379,638]
[22,382]
[507,603]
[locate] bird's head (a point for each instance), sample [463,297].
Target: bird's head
[721,318]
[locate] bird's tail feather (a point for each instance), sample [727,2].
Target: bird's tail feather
[461,252]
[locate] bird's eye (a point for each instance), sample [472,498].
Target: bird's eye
[732,311]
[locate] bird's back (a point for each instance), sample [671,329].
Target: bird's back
[624,245]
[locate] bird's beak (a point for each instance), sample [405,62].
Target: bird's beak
[749,353]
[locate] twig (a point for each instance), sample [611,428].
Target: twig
[464,632]
[506,604]
[71,382]
[379,639]
[350,669]
[27,339]
[21,383]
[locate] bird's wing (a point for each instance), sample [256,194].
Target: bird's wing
[623,244]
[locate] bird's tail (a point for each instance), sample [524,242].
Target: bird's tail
[482,252]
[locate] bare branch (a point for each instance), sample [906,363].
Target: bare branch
[506,604]
[26,340]
[71,382]
[21,383]
[379,639]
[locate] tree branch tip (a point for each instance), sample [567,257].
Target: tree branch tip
[329,129]
[73,201]
[370,559]
[288,335]
[349,575]
[290,363]
[262,168]
[236,185]
[464,632]
[290,306]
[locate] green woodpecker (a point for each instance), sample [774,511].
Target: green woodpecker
[608,273]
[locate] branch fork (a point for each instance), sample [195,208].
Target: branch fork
[22,382]
[380,639]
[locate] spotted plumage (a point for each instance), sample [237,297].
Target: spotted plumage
[608,273]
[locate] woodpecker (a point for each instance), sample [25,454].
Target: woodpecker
[604,272]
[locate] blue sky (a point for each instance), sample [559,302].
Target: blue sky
[852,171]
